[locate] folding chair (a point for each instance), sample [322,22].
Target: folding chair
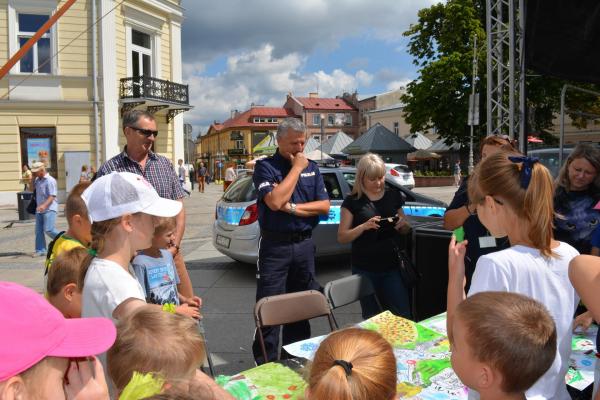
[348,290]
[288,308]
[207,362]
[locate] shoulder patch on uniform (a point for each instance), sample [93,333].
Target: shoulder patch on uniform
[307,174]
[263,185]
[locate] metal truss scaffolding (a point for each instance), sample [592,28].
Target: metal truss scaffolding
[505,27]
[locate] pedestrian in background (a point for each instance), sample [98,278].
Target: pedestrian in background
[192,175]
[291,196]
[181,172]
[47,206]
[85,175]
[230,176]
[457,173]
[201,173]
[26,178]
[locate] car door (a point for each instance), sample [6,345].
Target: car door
[325,234]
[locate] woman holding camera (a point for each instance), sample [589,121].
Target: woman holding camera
[373,221]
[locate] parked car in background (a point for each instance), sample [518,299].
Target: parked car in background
[401,174]
[236,231]
[549,157]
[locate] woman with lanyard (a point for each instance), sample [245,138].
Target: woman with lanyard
[372,220]
[577,192]
[461,213]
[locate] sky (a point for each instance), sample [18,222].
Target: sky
[236,52]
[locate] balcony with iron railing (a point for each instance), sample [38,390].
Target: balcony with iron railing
[154,94]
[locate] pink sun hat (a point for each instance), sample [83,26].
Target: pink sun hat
[32,329]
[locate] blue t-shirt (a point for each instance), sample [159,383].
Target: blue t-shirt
[158,277]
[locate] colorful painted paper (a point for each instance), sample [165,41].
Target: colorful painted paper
[422,355]
[266,382]
[581,363]
[583,358]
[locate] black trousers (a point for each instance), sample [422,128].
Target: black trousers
[283,267]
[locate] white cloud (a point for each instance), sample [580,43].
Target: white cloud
[397,84]
[213,28]
[260,77]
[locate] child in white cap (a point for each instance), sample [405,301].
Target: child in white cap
[121,206]
[45,356]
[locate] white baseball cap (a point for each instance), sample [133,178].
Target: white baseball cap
[120,193]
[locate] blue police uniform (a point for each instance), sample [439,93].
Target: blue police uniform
[286,254]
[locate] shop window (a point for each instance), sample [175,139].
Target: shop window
[39,144]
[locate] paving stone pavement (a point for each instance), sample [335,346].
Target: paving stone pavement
[227,287]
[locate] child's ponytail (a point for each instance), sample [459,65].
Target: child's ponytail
[99,232]
[538,206]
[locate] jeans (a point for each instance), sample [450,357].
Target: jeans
[44,224]
[390,290]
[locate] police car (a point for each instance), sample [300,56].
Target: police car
[236,231]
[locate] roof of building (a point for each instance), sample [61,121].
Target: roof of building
[336,143]
[440,146]
[246,118]
[418,141]
[379,139]
[396,106]
[322,103]
[311,145]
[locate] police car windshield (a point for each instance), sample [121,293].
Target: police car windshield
[240,191]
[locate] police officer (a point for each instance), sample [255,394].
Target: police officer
[291,196]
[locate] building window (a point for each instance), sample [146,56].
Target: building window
[396,128]
[141,53]
[330,119]
[39,144]
[329,137]
[317,119]
[263,120]
[348,119]
[317,138]
[37,59]
[239,144]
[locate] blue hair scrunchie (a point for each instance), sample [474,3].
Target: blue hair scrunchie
[526,168]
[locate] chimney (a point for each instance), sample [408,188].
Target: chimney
[313,95]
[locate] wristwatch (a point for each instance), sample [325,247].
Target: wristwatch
[292,208]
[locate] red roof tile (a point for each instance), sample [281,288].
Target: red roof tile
[246,119]
[318,103]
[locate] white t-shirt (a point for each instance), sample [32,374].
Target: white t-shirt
[107,285]
[523,270]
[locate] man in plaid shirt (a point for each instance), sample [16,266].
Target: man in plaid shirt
[140,131]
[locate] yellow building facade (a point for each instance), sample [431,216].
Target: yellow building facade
[50,109]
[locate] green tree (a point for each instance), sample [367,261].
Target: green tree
[441,43]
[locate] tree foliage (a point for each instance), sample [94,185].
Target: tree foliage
[441,43]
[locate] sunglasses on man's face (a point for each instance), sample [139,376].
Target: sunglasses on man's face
[145,132]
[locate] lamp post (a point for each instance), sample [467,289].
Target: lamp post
[322,136]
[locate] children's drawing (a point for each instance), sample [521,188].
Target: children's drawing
[266,382]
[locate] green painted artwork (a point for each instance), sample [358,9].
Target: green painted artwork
[429,368]
[266,382]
